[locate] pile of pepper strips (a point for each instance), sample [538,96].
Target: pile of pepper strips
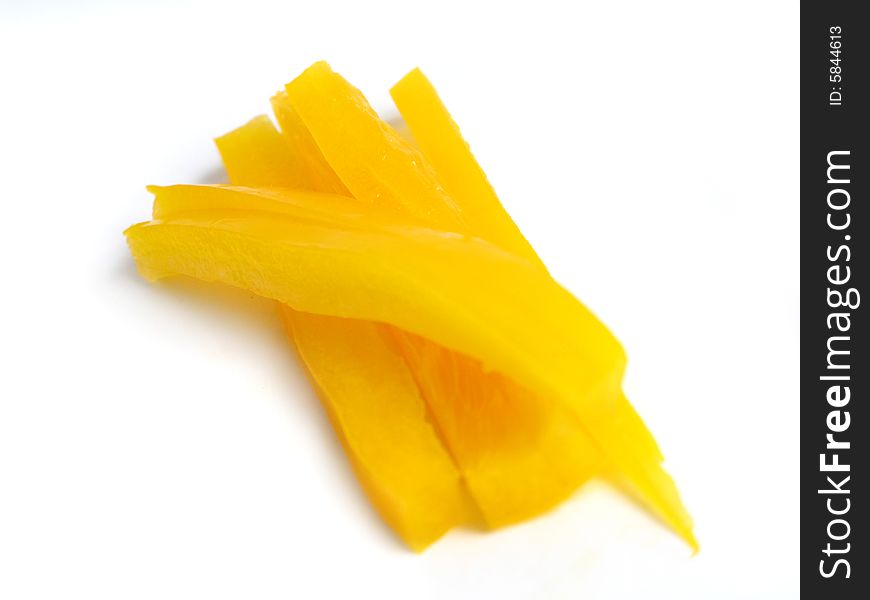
[466,385]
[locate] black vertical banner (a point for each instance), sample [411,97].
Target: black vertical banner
[835,369]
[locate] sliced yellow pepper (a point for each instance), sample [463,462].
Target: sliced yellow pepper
[383,425]
[301,204]
[459,369]
[369,156]
[460,292]
[274,166]
[440,141]
[305,152]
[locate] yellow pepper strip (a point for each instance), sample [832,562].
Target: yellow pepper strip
[274,167]
[442,144]
[383,425]
[177,199]
[462,293]
[369,156]
[629,443]
[304,151]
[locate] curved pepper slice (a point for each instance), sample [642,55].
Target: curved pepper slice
[369,156]
[438,137]
[460,292]
[275,165]
[382,422]
[173,200]
[305,152]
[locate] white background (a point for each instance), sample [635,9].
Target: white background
[161,442]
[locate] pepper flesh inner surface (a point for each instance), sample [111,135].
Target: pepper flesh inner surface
[518,451]
[463,293]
